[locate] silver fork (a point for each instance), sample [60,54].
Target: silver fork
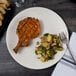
[64,40]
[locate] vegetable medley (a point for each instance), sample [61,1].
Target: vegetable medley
[48,47]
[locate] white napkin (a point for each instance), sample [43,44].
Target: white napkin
[64,68]
[72,45]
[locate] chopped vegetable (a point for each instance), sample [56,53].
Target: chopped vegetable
[50,44]
[49,38]
[44,44]
[42,59]
[37,43]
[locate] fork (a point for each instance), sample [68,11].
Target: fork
[64,40]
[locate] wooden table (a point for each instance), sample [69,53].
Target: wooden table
[65,8]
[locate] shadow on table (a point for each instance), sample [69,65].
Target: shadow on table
[74,1]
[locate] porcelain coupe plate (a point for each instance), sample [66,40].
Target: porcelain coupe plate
[50,23]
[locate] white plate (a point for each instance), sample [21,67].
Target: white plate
[50,23]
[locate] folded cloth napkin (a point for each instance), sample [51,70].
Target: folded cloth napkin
[72,45]
[65,68]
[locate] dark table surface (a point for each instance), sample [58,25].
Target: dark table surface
[65,8]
